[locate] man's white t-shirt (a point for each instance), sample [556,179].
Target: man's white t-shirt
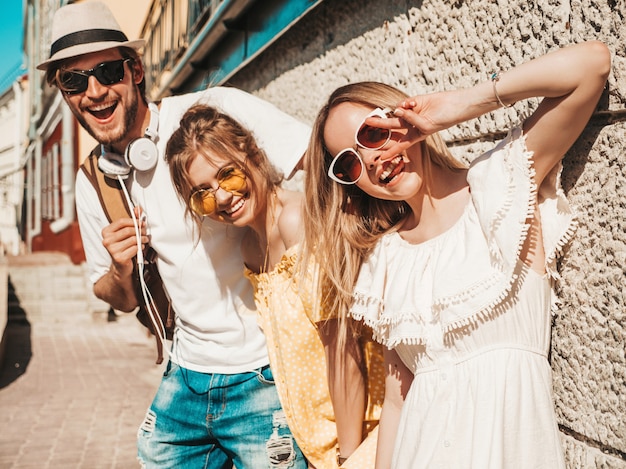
[216,325]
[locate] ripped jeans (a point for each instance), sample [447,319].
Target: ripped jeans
[200,420]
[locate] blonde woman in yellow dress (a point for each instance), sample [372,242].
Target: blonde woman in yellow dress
[221,174]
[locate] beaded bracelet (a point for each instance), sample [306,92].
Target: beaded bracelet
[495,77]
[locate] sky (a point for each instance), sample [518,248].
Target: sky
[11,41]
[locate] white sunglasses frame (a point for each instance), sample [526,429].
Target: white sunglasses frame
[378,112]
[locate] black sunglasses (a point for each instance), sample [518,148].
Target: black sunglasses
[76,81]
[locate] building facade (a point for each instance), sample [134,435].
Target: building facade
[12,146]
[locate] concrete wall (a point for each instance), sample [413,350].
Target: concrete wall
[435,45]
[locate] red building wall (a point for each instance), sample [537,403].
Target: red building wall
[68,240]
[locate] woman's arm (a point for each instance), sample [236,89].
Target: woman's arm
[346,383]
[397,383]
[570,80]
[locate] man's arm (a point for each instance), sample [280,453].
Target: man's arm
[111,264]
[283,138]
[116,286]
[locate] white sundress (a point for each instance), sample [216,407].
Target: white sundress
[472,322]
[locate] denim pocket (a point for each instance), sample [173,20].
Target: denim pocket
[170,369]
[265,375]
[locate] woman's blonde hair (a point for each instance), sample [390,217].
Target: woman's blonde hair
[205,131]
[343,223]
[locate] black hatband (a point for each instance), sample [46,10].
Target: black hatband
[86,37]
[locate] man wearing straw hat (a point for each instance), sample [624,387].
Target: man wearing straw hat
[217,405]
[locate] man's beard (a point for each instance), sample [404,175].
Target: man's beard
[108,137]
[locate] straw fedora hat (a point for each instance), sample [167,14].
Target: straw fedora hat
[82,28]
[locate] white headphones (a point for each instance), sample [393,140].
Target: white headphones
[141,153]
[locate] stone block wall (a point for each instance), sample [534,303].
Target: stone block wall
[431,45]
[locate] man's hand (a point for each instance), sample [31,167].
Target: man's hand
[120,240]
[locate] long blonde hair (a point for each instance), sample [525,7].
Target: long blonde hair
[343,223]
[204,131]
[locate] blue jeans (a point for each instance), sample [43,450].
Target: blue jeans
[201,420]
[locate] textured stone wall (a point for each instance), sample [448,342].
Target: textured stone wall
[439,44]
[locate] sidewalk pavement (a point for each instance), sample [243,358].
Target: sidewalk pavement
[74,387]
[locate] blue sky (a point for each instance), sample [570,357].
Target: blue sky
[11,39]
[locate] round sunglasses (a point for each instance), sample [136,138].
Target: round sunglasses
[230,179]
[77,81]
[347,167]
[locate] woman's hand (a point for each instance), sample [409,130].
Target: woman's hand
[430,113]
[419,116]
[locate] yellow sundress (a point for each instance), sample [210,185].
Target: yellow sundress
[298,362]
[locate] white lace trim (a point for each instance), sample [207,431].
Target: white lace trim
[495,306]
[412,326]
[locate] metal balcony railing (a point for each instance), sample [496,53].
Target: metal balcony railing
[169,29]
[192,44]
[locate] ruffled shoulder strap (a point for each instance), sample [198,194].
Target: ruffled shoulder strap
[503,191]
[558,219]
